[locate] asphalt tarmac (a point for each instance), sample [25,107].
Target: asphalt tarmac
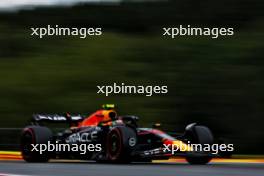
[61,168]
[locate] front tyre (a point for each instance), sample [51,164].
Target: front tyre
[198,160]
[199,135]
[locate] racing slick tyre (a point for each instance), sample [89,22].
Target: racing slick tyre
[200,135]
[35,135]
[121,141]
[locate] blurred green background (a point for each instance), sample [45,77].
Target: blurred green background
[216,82]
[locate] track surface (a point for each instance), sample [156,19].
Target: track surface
[59,168]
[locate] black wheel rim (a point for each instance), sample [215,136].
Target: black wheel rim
[115,145]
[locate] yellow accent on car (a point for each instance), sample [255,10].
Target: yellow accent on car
[108,106]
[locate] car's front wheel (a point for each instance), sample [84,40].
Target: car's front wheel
[199,135]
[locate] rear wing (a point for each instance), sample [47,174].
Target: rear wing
[57,118]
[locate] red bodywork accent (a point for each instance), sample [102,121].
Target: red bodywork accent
[159,133]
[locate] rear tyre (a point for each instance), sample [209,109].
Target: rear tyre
[121,142]
[199,135]
[35,135]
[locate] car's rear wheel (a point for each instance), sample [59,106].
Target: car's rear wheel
[200,135]
[121,142]
[35,135]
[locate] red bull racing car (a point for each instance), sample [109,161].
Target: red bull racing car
[110,138]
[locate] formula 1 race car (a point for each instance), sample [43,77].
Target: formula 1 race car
[110,138]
